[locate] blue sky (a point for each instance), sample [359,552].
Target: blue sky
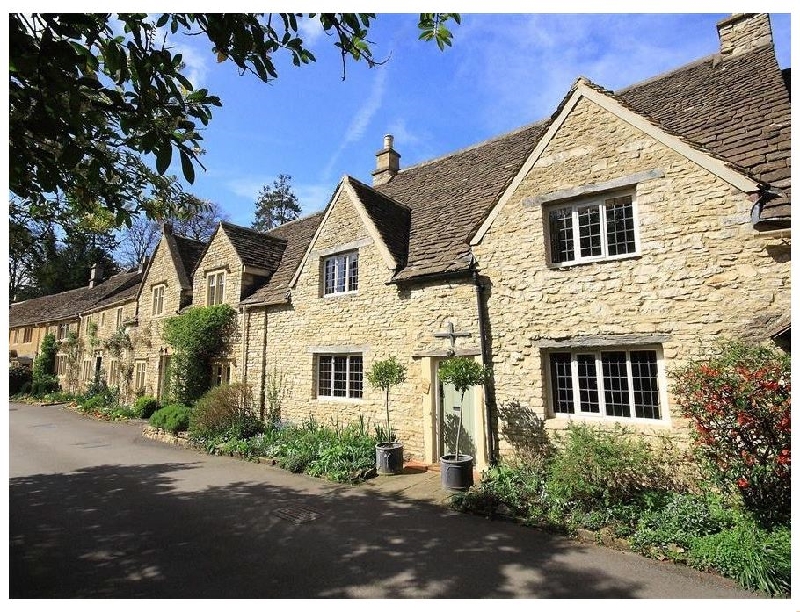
[502,72]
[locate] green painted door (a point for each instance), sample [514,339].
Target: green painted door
[449,399]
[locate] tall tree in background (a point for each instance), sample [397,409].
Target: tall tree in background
[140,239]
[276,204]
[96,98]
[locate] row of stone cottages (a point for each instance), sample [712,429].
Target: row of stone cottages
[582,257]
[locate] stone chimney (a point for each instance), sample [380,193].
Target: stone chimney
[96,275]
[142,265]
[387,162]
[743,32]
[166,228]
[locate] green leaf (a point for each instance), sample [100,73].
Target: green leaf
[163,157]
[187,166]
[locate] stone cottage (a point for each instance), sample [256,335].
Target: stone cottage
[582,257]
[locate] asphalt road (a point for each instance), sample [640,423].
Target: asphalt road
[97,511]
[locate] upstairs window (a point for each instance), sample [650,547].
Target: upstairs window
[27,334]
[118,323]
[340,273]
[158,299]
[340,376]
[215,288]
[63,331]
[612,383]
[590,230]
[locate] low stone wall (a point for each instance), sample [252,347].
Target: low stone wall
[161,435]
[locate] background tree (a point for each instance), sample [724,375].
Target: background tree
[95,98]
[276,204]
[201,220]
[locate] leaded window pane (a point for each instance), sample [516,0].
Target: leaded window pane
[590,230]
[644,371]
[561,240]
[561,375]
[356,376]
[325,375]
[340,376]
[615,383]
[587,384]
[620,234]
[352,284]
[330,275]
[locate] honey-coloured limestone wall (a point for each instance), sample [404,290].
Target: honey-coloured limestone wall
[702,270]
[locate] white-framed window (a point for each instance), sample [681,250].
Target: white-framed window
[118,322]
[592,229]
[87,325]
[158,299]
[619,383]
[139,379]
[340,376]
[221,373]
[63,331]
[215,288]
[27,334]
[87,370]
[340,273]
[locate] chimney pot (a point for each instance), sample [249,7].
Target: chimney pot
[96,275]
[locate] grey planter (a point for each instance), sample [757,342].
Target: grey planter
[456,474]
[389,458]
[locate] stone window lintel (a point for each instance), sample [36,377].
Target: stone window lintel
[563,195]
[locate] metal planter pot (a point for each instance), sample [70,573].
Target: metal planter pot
[389,458]
[456,473]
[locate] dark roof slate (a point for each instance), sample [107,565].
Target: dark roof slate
[451,196]
[391,219]
[71,304]
[188,252]
[260,250]
[738,108]
[296,235]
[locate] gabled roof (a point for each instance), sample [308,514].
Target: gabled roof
[185,255]
[71,304]
[449,198]
[296,236]
[255,249]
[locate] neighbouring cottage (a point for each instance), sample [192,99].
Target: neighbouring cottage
[582,257]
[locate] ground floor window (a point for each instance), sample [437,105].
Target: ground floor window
[61,365]
[139,377]
[113,373]
[87,370]
[221,373]
[340,376]
[619,383]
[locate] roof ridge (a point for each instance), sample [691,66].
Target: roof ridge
[379,192]
[303,218]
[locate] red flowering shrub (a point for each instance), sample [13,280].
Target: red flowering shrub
[739,400]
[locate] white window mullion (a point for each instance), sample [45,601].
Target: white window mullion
[601,389]
[631,396]
[603,230]
[576,394]
[576,235]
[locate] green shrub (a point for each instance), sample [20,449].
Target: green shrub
[172,418]
[44,385]
[756,558]
[145,406]
[94,402]
[19,379]
[228,411]
[44,366]
[682,519]
[598,469]
[739,400]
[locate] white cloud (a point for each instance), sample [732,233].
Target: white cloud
[360,121]
[310,30]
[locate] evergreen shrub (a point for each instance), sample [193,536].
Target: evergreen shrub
[227,410]
[145,406]
[172,418]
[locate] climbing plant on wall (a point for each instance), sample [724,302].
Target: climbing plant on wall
[198,337]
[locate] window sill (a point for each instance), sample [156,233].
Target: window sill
[600,420]
[339,400]
[333,296]
[587,262]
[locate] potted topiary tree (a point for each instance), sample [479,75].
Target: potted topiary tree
[462,373]
[388,453]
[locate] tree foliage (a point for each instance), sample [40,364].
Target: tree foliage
[96,99]
[276,204]
[739,401]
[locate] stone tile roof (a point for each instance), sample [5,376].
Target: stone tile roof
[296,236]
[738,108]
[260,250]
[71,304]
[392,219]
[451,196]
[186,254]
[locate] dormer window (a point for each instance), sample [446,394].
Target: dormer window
[158,299]
[593,229]
[215,288]
[340,273]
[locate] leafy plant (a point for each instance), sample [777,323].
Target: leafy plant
[276,391]
[172,418]
[44,366]
[739,401]
[225,410]
[462,373]
[19,379]
[199,336]
[145,406]
[384,375]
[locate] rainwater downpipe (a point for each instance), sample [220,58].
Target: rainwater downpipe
[479,290]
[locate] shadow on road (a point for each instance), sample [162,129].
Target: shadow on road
[117,531]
